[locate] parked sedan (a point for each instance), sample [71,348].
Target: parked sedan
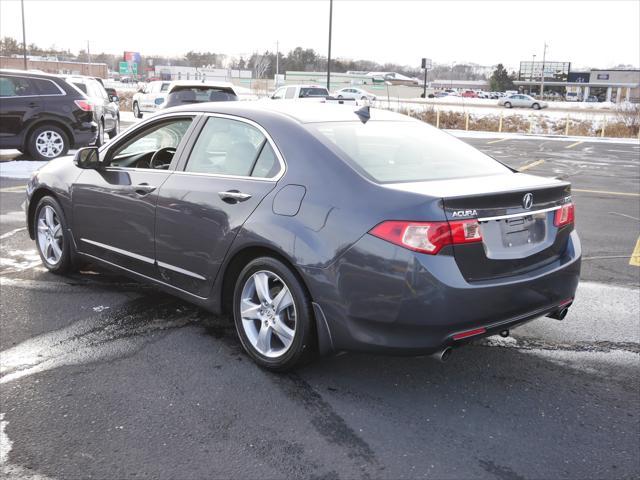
[189,92]
[355,94]
[318,227]
[520,100]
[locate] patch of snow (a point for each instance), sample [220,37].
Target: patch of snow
[19,261]
[19,168]
[5,443]
[100,308]
[12,232]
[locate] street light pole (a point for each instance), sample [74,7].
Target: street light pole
[329,54]
[533,63]
[24,38]
[88,58]
[544,55]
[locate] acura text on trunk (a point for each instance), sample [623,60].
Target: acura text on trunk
[317,227]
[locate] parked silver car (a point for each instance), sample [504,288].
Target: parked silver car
[522,101]
[355,93]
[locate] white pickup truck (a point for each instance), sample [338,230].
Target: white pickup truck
[307,93]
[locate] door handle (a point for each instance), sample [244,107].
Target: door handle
[234,196]
[143,189]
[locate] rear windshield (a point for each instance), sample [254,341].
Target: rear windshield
[389,152]
[313,92]
[201,94]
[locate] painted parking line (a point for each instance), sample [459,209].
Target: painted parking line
[635,256]
[530,165]
[574,144]
[606,192]
[16,189]
[497,141]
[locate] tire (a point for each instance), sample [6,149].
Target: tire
[47,234]
[340,97]
[507,104]
[364,99]
[283,352]
[116,129]
[536,106]
[100,137]
[47,142]
[136,110]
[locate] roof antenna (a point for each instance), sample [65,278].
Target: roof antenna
[363,114]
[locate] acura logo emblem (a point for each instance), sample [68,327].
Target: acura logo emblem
[527,201]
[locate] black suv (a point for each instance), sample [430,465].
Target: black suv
[43,115]
[106,111]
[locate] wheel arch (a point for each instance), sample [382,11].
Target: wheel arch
[33,204]
[48,121]
[237,262]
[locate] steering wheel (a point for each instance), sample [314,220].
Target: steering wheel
[161,159]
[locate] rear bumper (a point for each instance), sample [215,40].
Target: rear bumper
[85,134]
[382,298]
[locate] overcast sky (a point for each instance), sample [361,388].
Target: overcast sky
[586,33]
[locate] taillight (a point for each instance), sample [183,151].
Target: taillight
[84,105]
[565,215]
[428,237]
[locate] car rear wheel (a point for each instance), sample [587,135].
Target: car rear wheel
[116,129]
[136,110]
[507,104]
[273,315]
[52,237]
[536,106]
[47,142]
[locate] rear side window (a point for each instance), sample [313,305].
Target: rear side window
[81,86]
[231,147]
[46,87]
[313,92]
[389,152]
[16,87]
[291,92]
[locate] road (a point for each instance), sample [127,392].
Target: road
[105,378]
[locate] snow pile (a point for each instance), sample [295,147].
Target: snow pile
[19,168]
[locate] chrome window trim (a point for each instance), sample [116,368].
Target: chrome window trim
[61,94]
[521,214]
[276,150]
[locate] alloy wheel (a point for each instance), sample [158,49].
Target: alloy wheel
[50,235]
[268,313]
[49,144]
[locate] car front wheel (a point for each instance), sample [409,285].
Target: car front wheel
[52,238]
[273,315]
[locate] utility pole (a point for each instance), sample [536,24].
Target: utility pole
[329,55]
[277,63]
[89,58]
[24,37]
[544,55]
[533,63]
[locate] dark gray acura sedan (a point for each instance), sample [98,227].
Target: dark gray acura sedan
[320,228]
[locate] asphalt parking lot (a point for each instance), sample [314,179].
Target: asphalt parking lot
[104,378]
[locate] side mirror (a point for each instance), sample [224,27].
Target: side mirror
[114,98]
[87,158]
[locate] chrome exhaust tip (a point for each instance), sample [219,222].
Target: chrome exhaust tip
[559,314]
[443,355]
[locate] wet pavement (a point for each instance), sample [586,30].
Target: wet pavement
[105,378]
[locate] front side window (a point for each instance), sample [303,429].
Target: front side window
[232,147]
[138,150]
[16,87]
[390,152]
[278,94]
